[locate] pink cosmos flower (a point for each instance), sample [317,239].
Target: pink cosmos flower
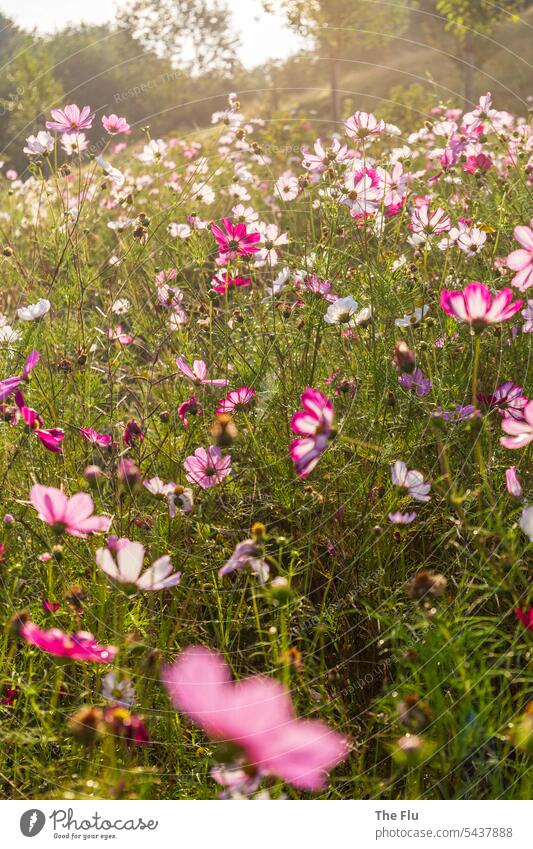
[116,334]
[246,553]
[364,191]
[255,715]
[236,400]
[126,568]
[512,482]
[189,406]
[72,515]
[521,260]
[51,438]
[208,467]
[399,518]
[79,646]
[525,617]
[222,284]
[234,240]
[11,384]
[425,224]
[508,399]
[70,119]
[198,373]
[324,157]
[476,305]
[315,423]
[411,481]
[416,382]
[101,439]
[520,431]
[362,125]
[114,125]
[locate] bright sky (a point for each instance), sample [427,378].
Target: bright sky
[263,36]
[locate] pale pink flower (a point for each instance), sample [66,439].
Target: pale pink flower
[363,125]
[114,125]
[476,305]
[236,400]
[527,315]
[246,553]
[125,568]
[425,224]
[72,515]
[70,119]
[207,468]
[79,646]
[521,260]
[520,432]
[198,373]
[399,518]
[411,481]
[324,157]
[257,716]
[512,482]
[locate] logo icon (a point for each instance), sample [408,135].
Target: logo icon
[32,822]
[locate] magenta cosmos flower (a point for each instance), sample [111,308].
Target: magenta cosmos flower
[70,119]
[234,239]
[236,400]
[92,436]
[79,646]
[198,373]
[521,260]
[476,305]
[221,285]
[11,384]
[72,515]
[208,467]
[315,423]
[256,716]
[520,431]
[113,124]
[525,617]
[51,438]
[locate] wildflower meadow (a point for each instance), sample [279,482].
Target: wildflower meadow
[266,458]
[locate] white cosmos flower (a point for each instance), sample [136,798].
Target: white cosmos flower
[116,176]
[342,311]
[120,306]
[126,568]
[410,480]
[34,311]
[8,335]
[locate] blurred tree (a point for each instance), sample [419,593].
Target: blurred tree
[337,27]
[192,34]
[469,23]
[29,90]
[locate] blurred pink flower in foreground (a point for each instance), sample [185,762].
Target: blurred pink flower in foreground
[255,715]
[521,260]
[476,305]
[72,515]
[79,646]
[11,384]
[70,119]
[525,617]
[314,423]
[208,467]
[520,431]
[512,482]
